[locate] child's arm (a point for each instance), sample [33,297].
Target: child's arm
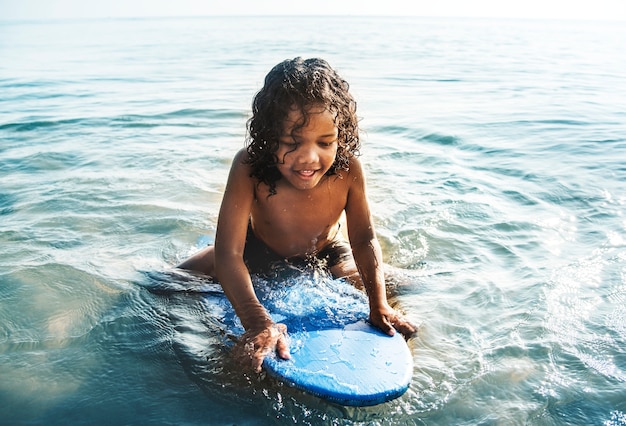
[368,256]
[262,336]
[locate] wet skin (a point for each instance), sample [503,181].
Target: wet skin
[301,218]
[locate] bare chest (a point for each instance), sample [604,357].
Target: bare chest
[296,222]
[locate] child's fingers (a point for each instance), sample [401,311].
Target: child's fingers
[407,329]
[254,346]
[282,345]
[257,361]
[282,348]
[384,324]
[389,327]
[389,321]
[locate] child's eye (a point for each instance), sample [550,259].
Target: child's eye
[327,144]
[288,144]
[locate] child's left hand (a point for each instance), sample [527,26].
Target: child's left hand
[389,320]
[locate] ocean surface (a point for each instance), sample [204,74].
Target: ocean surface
[496,159]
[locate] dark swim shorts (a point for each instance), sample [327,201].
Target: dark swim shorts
[260,259]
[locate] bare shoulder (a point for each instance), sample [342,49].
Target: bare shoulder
[241,159]
[240,168]
[240,182]
[355,174]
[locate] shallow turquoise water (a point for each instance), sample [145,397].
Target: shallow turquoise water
[495,152]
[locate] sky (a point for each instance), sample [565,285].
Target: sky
[533,9]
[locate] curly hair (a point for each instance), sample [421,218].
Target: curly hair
[299,83]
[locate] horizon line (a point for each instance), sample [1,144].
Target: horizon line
[274,15]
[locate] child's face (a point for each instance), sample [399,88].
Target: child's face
[307,153]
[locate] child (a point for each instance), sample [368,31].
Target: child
[284,197]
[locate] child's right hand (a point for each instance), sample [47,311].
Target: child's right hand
[255,344]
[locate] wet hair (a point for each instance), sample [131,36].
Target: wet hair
[299,83]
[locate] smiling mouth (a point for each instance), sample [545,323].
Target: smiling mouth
[306,173]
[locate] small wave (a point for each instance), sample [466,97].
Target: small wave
[391,129]
[43,161]
[181,116]
[7,201]
[178,281]
[37,124]
[515,124]
[440,139]
[417,134]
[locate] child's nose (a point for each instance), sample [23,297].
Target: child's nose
[307,154]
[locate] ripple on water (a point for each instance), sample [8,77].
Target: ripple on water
[584,318]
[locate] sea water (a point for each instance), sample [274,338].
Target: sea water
[496,160]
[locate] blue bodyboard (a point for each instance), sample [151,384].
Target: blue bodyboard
[336,354]
[354,365]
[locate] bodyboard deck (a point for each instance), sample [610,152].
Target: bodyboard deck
[335,353]
[356,365]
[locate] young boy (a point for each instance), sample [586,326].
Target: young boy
[284,198]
